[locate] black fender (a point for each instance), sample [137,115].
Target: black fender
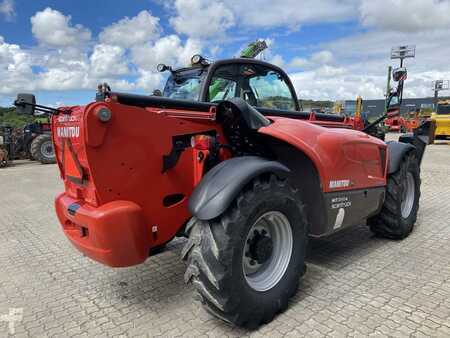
[396,151]
[253,118]
[217,189]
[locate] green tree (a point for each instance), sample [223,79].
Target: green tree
[9,116]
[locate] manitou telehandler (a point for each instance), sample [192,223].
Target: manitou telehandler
[237,169]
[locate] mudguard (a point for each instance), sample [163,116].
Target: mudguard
[396,151]
[253,118]
[212,196]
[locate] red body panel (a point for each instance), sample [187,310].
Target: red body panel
[117,213]
[121,163]
[338,154]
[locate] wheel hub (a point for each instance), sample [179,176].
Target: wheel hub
[408,195]
[47,149]
[267,251]
[260,247]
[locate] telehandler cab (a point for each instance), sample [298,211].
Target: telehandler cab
[243,174]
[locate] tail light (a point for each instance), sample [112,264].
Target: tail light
[203,142]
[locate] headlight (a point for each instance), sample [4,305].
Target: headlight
[197,58]
[161,67]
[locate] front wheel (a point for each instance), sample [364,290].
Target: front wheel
[399,212]
[246,264]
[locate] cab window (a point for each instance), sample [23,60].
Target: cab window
[271,91]
[443,109]
[259,85]
[223,84]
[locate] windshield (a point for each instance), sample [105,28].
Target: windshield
[185,84]
[443,109]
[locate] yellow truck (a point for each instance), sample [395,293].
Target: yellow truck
[442,119]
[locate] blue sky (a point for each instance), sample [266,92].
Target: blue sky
[332,49]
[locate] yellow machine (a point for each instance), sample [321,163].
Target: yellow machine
[442,119]
[338,107]
[358,107]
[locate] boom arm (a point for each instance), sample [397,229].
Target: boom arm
[253,49]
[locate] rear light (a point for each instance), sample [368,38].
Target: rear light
[202,142]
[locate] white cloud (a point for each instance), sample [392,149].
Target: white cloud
[277,60]
[169,50]
[201,18]
[15,68]
[7,9]
[406,15]
[298,62]
[312,85]
[52,28]
[360,64]
[292,13]
[322,57]
[126,52]
[61,79]
[108,60]
[149,81]
[130,32]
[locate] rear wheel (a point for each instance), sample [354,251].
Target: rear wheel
[246,264]
[399,212]
[42,149]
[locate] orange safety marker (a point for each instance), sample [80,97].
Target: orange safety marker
[71,166]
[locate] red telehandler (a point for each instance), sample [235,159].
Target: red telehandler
[226,158]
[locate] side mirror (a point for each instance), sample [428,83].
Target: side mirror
[25,104]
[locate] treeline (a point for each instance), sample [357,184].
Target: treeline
[315,104]
[8,116]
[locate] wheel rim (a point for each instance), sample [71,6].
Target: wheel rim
[47,149]
[408,195]
[267,251]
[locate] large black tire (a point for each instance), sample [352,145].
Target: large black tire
[399,212]
[216,253]
[42,149]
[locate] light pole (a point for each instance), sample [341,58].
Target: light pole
[399,74]
[403,52]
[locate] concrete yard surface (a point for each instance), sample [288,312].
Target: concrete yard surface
[356,284]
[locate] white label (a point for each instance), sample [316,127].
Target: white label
[340,202]
[339,184]
[68,132]
[339,218]
[67,118]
